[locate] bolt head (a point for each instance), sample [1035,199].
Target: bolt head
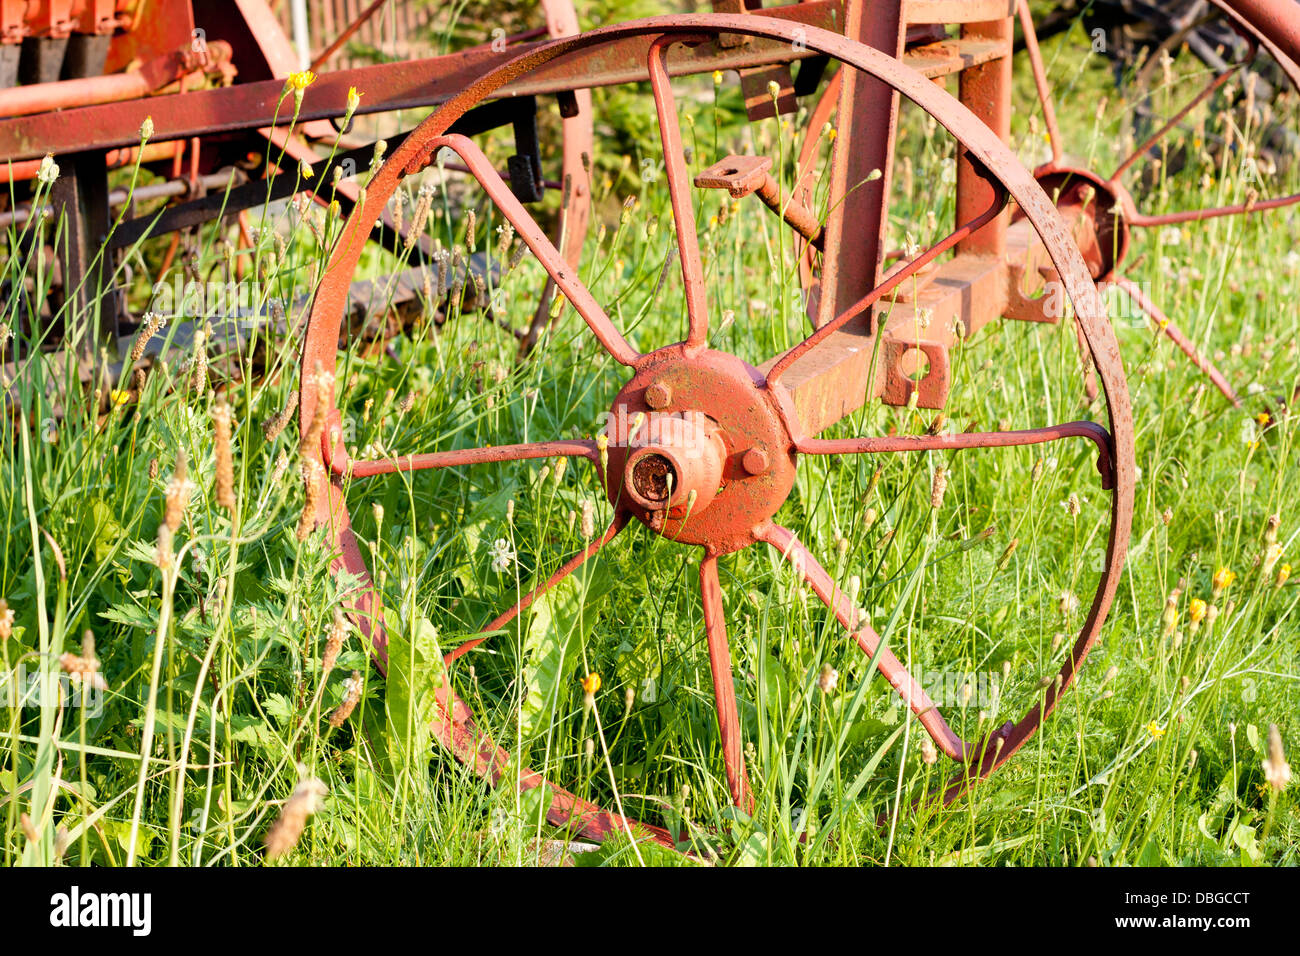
[754,461]
[658,395]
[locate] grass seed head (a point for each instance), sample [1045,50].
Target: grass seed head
[938,487]
[221,422]
[1277,772]
[351,697]
[178,491]
[334,643]
[287,829]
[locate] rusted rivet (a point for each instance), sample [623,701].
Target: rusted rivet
[754,461]
[658,395]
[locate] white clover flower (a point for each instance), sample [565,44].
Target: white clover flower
[502,555]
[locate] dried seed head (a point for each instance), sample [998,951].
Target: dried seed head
[1007,553]
[938,486]
[272,427]
[285,832]
[152,323]
[199,374]
[1276,770]
[588,526]
[351,697]
[221,422]
[334,643]
[1072,507]
[929,754]
[83,668]
[313,477]
[163,552]
[6,620]
[178,491]
[828,679]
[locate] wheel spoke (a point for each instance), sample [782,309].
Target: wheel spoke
[575,562]
[679,193]
[1040,79]
[552,261]
[877,444]
[454,726]
[793,552]
[1140,220]
[492,454]
[1173,121]
[891,281]
[724,687]
[1163,324]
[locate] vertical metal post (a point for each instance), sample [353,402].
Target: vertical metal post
[864,143]
[986,91]
[81,195]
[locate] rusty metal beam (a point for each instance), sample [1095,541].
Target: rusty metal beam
[387,87]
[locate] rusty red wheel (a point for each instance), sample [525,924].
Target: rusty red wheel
[708,446]
[1101,210]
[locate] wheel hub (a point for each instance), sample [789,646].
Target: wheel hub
[1098,211]
[698,449]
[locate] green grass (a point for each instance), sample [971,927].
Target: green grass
[217,703]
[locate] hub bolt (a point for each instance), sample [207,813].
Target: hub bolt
[658,395]
[755,461]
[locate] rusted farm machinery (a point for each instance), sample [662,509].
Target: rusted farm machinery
[713,451]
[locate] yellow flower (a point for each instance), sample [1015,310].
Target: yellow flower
[119,397]
[1283,573]
[1223,579]
[354,99]
[1155,730]
[591,684]
[717,77]
[305,168]
[301,80]
[1262,419]
[1196,610]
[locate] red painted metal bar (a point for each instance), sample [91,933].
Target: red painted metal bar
[864,148]
[387,87]
[792,550]
[1040,78]
[724,684]
[462,456]
[550,258]
[618,524]
[323,57]
[679,192]
[878,444]
[1177,336]
[1214,84]
[896,278]
[116,87]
